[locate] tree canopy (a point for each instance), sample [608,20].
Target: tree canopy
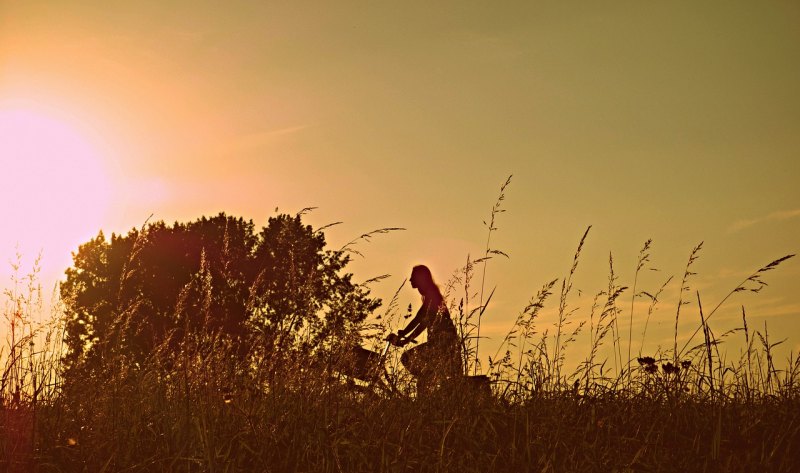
[132,293]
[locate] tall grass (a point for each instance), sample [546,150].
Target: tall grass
[201,406]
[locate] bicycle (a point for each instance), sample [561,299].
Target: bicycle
[370,367]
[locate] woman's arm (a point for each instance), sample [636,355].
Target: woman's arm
[417,325]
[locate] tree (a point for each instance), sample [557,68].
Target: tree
[151,288]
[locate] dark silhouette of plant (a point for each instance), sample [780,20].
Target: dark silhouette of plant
[279,289]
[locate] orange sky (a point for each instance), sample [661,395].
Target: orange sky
[673,121]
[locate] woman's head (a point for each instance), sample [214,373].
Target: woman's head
[422,280]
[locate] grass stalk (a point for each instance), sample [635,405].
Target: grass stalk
[496,210]
[644,257]
[681,302]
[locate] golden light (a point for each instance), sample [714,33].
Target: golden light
[54,189]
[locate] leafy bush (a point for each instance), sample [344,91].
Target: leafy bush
[279,290]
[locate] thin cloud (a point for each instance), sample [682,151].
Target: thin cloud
[778,216]
[254,141]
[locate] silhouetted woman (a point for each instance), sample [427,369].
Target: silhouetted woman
[439,359]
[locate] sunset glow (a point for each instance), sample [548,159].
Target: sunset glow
[671,122]
[54,188]
[399,236]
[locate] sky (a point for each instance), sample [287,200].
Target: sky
[672,121]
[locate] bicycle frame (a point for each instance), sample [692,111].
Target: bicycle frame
[368,367]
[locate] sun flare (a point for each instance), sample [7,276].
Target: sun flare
[54,188]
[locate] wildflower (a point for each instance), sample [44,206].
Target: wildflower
[647,360]
[669,368]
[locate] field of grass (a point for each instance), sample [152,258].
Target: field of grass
[200,410]
[203,406]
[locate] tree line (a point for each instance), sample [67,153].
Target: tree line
[278,287]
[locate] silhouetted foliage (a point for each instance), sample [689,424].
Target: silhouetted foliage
[279,289]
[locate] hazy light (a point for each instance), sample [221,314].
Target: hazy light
[54,191]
